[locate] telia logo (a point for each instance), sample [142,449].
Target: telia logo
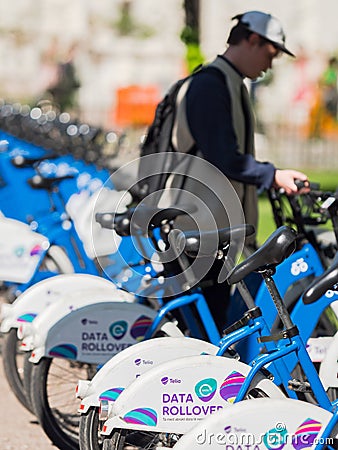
[164,380]
[137,361]
[118,329]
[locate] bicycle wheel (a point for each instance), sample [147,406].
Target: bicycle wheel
[13,363]
[90,438]
[53,383]
[27,369]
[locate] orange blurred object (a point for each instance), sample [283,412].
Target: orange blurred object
[320,124]
[135,105]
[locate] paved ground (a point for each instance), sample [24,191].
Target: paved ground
[18,428]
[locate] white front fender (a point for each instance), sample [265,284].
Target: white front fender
[66,304]
[125,367]
[95,332]
[21,250]
[38,297]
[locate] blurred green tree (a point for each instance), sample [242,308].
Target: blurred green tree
[191,34]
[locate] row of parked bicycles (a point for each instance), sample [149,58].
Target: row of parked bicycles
[107,353]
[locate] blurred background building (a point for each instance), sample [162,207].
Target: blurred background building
[126,53]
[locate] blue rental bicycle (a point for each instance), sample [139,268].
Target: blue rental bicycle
[279,246]
[195,298]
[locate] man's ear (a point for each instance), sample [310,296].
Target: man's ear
[254,39]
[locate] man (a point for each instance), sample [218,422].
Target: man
[219,115]
[215,119]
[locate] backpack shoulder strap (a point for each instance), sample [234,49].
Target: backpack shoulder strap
[220,66]
[181,133]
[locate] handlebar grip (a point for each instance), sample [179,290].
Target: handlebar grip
[307,184]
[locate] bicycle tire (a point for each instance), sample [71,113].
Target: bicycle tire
[28,368]
[53,381]
[89,436]
[13,365]
[116,442]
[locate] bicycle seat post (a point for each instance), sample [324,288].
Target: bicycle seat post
[241,286]
[182,259]
[280,306]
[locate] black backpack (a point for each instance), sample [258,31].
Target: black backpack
[158,140]
[152,177]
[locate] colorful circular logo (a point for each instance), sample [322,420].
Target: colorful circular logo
[306,434]
[140,327]
[275,438]
[118,329]
[231,386]
[206,389]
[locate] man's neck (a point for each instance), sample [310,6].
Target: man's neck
[227,57]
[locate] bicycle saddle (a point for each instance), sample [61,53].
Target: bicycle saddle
[141,218]
[280,245]
[21,161]
[321,284]
[223,236]
[120,222]
[39,182]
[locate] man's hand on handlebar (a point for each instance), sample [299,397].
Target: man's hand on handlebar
[291,181]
